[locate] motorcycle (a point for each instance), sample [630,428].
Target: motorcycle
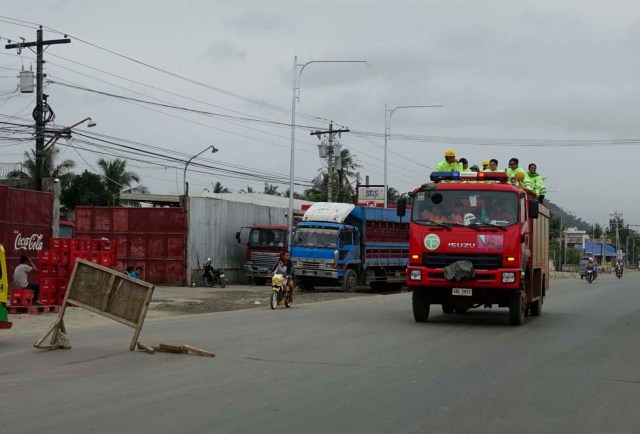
[280,293]
[591,275]
[212,276]
[619,272]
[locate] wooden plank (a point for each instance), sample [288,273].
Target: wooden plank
[198,351]
[146,348]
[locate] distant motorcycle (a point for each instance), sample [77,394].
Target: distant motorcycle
[619,272]
[212,276]
[591,275]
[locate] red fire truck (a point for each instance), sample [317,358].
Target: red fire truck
[477,240]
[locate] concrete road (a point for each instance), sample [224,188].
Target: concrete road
[346,366]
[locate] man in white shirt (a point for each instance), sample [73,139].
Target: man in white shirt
[20,277]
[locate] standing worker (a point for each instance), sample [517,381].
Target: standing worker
[537,183]
[449,164]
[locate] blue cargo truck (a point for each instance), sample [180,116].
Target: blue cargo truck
[339,244]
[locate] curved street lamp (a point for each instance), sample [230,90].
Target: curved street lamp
[184,177]
[387,135]
[297,77]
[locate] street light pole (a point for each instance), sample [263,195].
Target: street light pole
[387,135]
[297,77]
[184,177]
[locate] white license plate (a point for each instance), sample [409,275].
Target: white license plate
[309,272]
[462,291]
[222,276]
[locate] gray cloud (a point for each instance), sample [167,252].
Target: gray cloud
[224,51]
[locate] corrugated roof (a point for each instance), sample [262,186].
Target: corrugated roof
[254,198]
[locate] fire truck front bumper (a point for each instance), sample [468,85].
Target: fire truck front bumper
[504,278]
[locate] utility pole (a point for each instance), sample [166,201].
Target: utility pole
[330,162]
[41,98]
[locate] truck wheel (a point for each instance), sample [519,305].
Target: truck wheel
[350,281]
[448,308]
[420,306]
[536,307]
[259,281]
[517,308]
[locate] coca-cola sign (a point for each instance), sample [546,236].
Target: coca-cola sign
[32,242]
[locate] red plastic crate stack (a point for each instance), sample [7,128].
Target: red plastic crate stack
[56,264]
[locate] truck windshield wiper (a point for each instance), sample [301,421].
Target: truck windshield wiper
[444,225]
[502,228]
[475,227]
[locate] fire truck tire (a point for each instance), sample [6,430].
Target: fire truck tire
[420,306]
[536,307]
[517,308]
[259,281]
[350,281]
[448,308]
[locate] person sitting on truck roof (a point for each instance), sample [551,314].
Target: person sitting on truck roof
[513,169]
[537,183]
[493,166]
[474,168]
[465,165]
[485,164]
[449,164]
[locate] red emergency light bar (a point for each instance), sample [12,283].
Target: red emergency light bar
[468,176]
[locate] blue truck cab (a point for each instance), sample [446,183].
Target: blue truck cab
[339,244]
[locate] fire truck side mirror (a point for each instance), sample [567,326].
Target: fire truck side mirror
[401,207]
[534,208]
[238,237]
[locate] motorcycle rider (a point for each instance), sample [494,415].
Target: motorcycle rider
[285,267]
[591,265]
[619,267]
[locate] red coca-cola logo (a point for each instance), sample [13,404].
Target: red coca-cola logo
[33,242]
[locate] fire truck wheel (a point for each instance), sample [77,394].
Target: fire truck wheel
[536,307]
[448,308]
[517,308]
[350,281]
[420,306]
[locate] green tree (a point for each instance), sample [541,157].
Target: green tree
[271,189]
[117,180]
[248,190]
[86,189]
[218,188]
[342,189]
[392,195]
[49,167]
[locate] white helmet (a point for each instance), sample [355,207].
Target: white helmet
[468,218]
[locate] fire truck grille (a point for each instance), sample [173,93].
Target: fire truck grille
[480,262]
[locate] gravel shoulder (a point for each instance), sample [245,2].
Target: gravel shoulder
[171,301]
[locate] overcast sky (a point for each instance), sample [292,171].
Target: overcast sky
[515,79]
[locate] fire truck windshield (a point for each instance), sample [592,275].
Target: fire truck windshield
[458,207]
[263,237]
[316,237]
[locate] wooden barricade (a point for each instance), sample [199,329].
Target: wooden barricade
[105,292]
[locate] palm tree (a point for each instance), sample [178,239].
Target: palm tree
[218,188]
[49,168]
[117,179]
[392,195]
[248,190]
[271,189]
[341,184]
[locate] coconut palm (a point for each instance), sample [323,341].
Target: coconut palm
[218,188]
[343,191]
[49,167]
[271,189]
[117,179]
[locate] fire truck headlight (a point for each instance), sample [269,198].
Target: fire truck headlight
[508,277]
[415,275]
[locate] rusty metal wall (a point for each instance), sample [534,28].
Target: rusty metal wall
[25,224]
[151,237]
[213,225]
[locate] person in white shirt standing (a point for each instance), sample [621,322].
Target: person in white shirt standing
[20,275]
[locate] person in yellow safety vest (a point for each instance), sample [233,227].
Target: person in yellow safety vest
[449,164]
[465,165]
[493,166]
[537,183]
[511,174]
[485,165]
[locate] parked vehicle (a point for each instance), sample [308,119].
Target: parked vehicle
[280,292]
[339,244]
[476,241]
[4,291]
[266,244]
[212,276]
